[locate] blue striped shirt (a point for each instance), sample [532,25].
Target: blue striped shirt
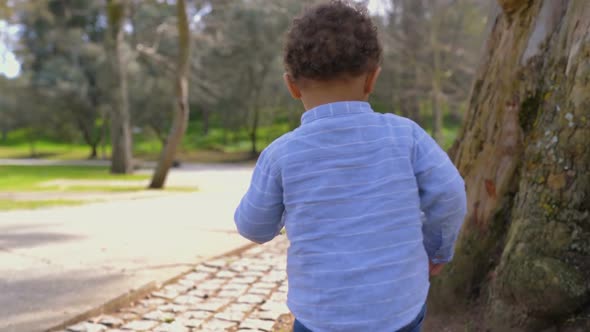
[366,199]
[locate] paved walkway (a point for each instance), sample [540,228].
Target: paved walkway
[244,292]
[58,263]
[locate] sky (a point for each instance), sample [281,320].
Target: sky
[379,7]
[10,67]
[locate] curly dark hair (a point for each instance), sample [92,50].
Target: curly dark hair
[332,40]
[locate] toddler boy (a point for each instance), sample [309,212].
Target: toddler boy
[369,201]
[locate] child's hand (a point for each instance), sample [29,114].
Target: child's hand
[435,269]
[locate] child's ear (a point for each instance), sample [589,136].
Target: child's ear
[291,86]
[371,80]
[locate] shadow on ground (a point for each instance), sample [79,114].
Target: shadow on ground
[41,295]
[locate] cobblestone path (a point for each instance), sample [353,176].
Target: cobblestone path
[244,292]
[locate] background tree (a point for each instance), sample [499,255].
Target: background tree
[151,93]
[251,41]
[431,48]
[121,140]
[524,252]
[238,102]
[181,115]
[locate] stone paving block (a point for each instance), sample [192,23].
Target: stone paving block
[87,327]
[251,299]
[197,276]
[187,300]
[211,284]
[259,291]
[244,280]
[200,293]
[279,297]
[229,293]
[218,325]
[237,267]
[212,306]
[265,315]
[252,274]
[151,302]
[209,287]
[188,282]
[178,288]
[110,321]
[273,278]
[171,327]
[191,323]
[240,307]
[234,286]
[257,324]
[172,308]
[225,274]
[215,281]
[267,285]
[196,314]
[140,325]
[259,267]
[276,307]
[159,316]
[230,316]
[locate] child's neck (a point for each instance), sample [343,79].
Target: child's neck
[315,102]
[316,93]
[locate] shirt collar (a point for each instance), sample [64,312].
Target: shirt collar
[336,109]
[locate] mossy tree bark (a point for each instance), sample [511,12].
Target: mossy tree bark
[524,151]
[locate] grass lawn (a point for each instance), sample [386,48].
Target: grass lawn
[31,178]
[51,181]
[7,204]
[46,150]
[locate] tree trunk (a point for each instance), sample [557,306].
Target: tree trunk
[103,135]
[181,115]
[87,133]
[159,133]
[206,115]
[121,155]
[32,143]
[524,250]
[93,151]
[254,132]
[437,116]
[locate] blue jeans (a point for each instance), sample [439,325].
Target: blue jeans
[415,326]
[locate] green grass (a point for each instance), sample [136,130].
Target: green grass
[46,150]
[235,141]
[34,179]
[31,178]
[7,204]
[217,146]
[449,136]
[116,189]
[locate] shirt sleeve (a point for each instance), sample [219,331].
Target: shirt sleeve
[259,217]
[443,199]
